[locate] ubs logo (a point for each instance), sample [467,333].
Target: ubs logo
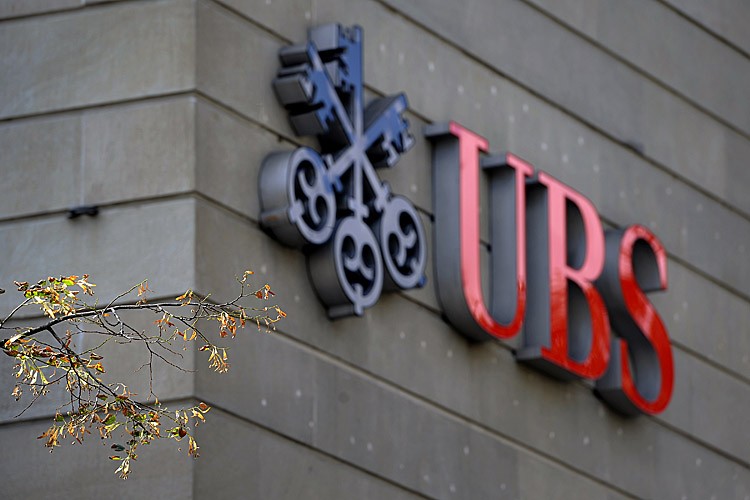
[360,238]
[575,292]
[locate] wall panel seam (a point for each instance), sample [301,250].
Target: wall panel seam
[83,7]
[639,70]
[94,106]
[437,408]
[704,28]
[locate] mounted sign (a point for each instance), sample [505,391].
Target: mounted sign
[332,204]
[554,273]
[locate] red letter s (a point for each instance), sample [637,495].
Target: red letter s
[636,263]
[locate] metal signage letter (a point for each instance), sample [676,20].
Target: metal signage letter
[456,162]
[636,263]
[567,329]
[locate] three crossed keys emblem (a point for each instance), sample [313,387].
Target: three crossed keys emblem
[360,238]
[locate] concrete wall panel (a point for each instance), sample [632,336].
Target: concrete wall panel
[40,165]
[350,416]
[139,151]
[119,248]
[269,466]
[85,472]
[689,60]
[727,19]
[230,151]
[719,336]
[98,156]
[18,8]
[241,77]
[86,57]
[710,405]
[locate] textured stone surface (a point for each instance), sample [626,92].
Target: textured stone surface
[83,471]
[104,155]
[241,77]
[40,165]
[17,8]
[139,151]
[229,155]
[718,335]
[728,19]
[704,396]
[343,413]
[268,465]
[122,51]
[118,248]
[689,60]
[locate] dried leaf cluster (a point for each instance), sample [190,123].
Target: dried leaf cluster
[45,357]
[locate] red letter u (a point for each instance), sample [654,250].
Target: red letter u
[456,162]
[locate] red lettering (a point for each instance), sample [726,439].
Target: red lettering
[560,280]
[637,264]
[508,175]
[570,337]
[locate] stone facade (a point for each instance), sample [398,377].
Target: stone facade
[161,113]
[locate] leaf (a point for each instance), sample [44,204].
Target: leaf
[98,367]
[85,285]
[204,407]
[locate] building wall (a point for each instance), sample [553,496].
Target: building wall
[161,113]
